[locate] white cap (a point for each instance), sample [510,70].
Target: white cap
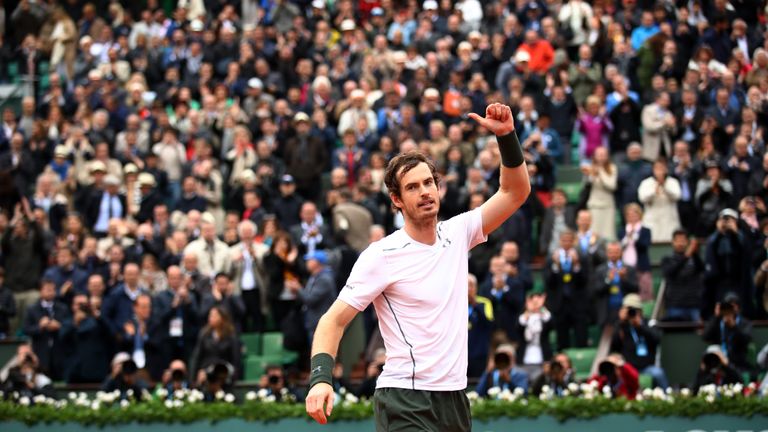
[146,179]
[196,25]
[255,83]
[347,25]
[318,4]
[429,5]
[522,56]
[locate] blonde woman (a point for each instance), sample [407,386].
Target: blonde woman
[602,176]
[635,240]
[659,194]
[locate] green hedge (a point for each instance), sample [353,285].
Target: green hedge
[583,402]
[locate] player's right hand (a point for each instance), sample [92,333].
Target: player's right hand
[319,402]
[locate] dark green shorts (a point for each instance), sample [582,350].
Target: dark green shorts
[420,410]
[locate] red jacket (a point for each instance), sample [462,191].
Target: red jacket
[628,382]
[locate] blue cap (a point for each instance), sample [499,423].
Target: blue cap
[318,255]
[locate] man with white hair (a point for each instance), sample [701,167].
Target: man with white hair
[249,276]
[212,254]
[358,108]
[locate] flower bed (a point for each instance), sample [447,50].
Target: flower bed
[578,402]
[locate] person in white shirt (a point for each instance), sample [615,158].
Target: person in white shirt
[416,279]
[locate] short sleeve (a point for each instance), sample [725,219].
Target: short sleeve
[474,224]
[367,279]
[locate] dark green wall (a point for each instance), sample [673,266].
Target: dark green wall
[609,423]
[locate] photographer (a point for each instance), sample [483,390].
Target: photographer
[637,342]
[216,377]
[86,339]
[273,381]
[23,377]
[619,375]
[726,261]
[125,377]
[553,375]
[731,332]
[175,377]
[715,369]
[502,372]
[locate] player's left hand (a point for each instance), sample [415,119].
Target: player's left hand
[498,119]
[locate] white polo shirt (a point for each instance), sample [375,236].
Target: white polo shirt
[420,295]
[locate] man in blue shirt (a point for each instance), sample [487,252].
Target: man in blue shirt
[647,29]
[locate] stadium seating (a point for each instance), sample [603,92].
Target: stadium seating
[582,359]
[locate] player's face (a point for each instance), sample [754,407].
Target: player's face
[418,198]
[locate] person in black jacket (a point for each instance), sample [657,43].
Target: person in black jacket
[150,197]
[612,281]
[725,262]
[176,310]
[683,271]
[7,307]
[715,369]
[222,295]
[42,324]
[87,341]
[567,293]
[731,332]
[636,341]
[143,336]
[507,295]
[216,343]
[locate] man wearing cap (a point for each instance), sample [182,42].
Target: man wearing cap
[105,205]
[358,108]
[726,262]
[319,293]
[713,194]
[417,280]
[636,341]
[150,197]
[287,205]
[305,157]
[212,254]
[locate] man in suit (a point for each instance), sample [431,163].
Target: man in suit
[310,235]
[67,276]
[659,126]
[18,162]
[177,312]
[689,116]
[105,205]
[222,294]
[143,337]
[42,324]
[611,282]
[118,306]
[682,167]
[726,119]
[507,295]
[567,294]
[86,339]
[319,292]
[557,218]
[249,276]
[305,156]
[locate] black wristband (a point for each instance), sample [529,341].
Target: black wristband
[510,149]
[321,369]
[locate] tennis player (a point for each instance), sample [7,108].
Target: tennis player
[416,279]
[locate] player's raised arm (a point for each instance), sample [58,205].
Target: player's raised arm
[514,185]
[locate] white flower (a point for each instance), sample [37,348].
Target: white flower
[95,405]
[168,403]
[229,398]
[72,395]
[668,391]
[545,389]
[728,393]
[493,392]
[124,404]
[607,391]
[263,393]
[573,387]
[519,392]
[566,393]
[24,401]
[685,392]
[178,403]
[472,396]
[250,396]
[658,393]
[639,397]
[129,392]
[710,398]
[647,393]
[738,388]
[39,399]
[342,391]
[219,395]
[162,393]
[270,398]
[588,395]
[349,397]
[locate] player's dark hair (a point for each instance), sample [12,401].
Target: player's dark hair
[401,164]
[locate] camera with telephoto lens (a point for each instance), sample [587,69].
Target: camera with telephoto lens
[607,369]
[178,375]
[273,379]
[632,312]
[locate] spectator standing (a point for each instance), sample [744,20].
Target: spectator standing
[216,343]
[683,271]
[602,178]
[612,281]
[42,324]
[660,194]
[480,326]
[567,293]
[635,240]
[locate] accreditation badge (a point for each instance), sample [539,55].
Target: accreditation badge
[567,278]
[614,289]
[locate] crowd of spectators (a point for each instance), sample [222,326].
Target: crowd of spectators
[178,173]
